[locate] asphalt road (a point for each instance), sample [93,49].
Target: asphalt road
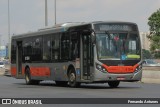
[16,88]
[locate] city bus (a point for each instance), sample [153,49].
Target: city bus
[75,53]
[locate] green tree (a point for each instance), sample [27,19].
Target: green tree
[146,54]
[154,24]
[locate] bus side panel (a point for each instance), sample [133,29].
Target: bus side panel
[14,71]
[49,71]
[40,71]
[60,71]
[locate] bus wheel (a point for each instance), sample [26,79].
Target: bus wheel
[113,84]
[72,79]
[28,78]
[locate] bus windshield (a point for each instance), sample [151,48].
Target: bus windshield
[118,46]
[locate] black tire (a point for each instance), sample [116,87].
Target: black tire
[28,79]
[72,79]
[113,84]
[35,82]
[61,83]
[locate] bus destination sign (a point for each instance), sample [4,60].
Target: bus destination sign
[115,27]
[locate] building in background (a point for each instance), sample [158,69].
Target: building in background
[3,52]
[145,41]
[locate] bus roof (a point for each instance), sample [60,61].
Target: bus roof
[47,30]
[62,28]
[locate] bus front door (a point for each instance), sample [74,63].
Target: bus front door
[19,60]
[85,57]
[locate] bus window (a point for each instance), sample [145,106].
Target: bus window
[27,49]
[37,49]
[13,51]
[47,47]
[55,47]
[65,46]
[75,46]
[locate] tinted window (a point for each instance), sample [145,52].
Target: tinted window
[55,47]
[65,46]
[75,46]
[27,47]
[37,49]
[47,47]
[32,49]
[13,51]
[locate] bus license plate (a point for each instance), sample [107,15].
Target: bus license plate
[120,78]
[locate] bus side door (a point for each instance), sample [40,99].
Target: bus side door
[19,60]
[86,49]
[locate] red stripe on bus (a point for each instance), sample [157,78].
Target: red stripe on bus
[120,69]
[35,71]
[13,71]
[40,71]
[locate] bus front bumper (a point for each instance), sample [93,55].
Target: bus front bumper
[100,76]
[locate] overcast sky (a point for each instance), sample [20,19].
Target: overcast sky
[28,15]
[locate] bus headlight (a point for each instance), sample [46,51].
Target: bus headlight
[138,68]
[101,68]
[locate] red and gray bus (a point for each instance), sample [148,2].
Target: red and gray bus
[75,53]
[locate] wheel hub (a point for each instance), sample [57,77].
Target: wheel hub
[27,78]
[72,77]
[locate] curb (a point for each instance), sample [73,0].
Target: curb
[151,76]
[150,80]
